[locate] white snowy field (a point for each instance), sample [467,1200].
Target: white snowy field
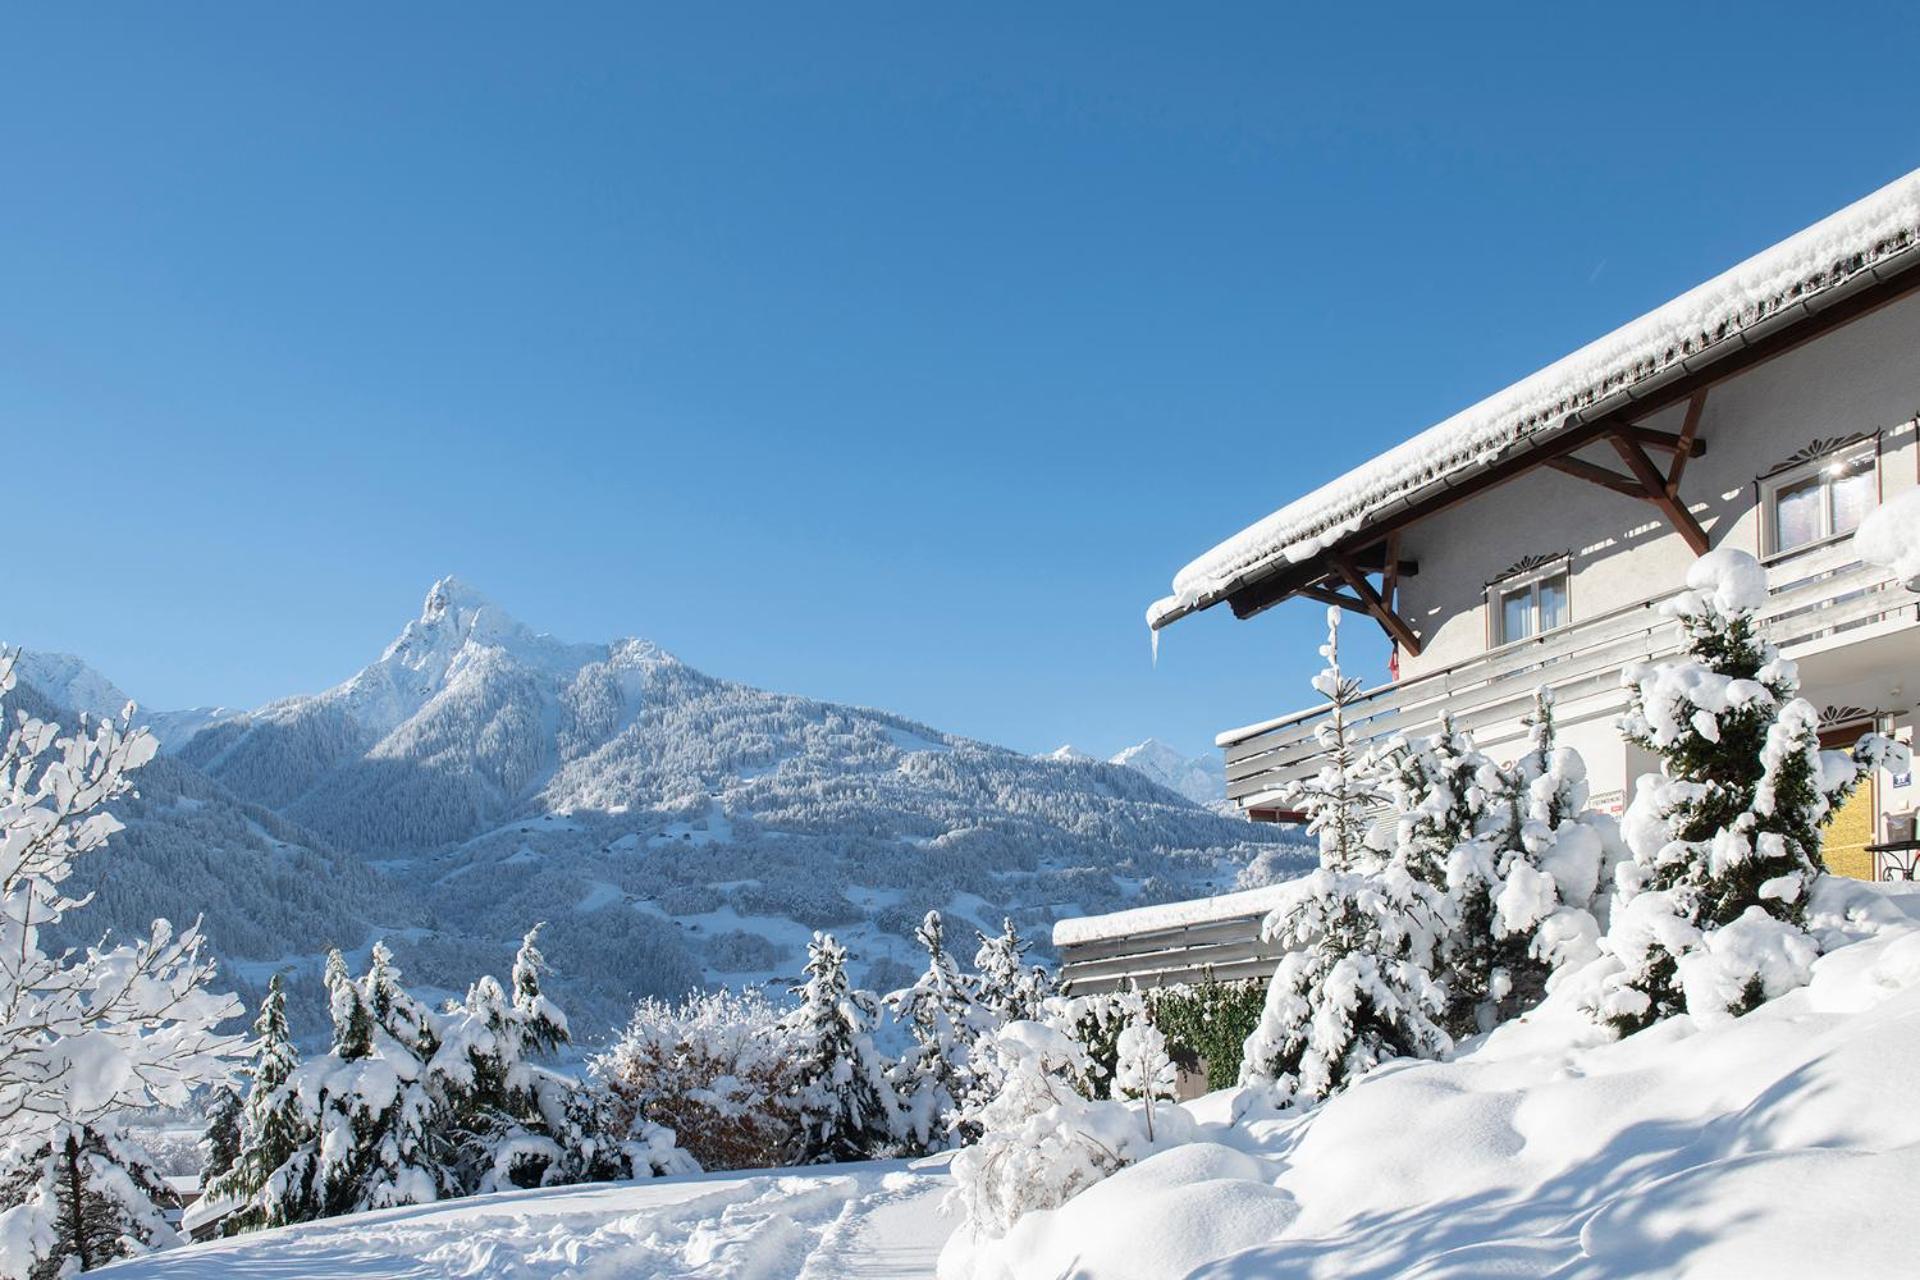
[864,1221]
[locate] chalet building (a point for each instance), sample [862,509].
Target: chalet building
[1529,540]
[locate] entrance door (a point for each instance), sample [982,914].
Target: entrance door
[1850,828]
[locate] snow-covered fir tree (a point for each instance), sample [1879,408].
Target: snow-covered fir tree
[509,1121]
[1009,989]
[392,1008]
[141,1008]
[378,1135]
[78,1198]
[938,1075]
[1524,891]
[1725,839]
[840,1090]
[265,1183]
[220,1142]
[1355,985]
[1341,795]
[1512,855]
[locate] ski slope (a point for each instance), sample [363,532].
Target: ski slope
[857,1221]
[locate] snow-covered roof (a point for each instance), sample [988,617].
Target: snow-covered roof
[1168,915]
[1859,240]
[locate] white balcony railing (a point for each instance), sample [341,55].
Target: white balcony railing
[1812,596]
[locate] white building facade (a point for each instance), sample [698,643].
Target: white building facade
[1530,539]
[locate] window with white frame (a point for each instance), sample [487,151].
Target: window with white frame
[1528,604]
[1819,499]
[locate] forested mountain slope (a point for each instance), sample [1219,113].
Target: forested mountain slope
[671,827]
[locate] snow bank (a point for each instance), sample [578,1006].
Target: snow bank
[1859,238]
[1779,1143]
[1890,536]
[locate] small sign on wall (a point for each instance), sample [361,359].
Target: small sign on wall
[1613,802]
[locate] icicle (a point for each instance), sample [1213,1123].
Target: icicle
[1153,639]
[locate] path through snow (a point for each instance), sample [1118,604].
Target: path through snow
[860,1220]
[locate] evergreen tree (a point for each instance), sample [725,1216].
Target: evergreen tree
[1725,839]
[220,1144]
[265,1181]
[1355,985]
[509,1121]
[946,1021]
[1339,798]
[393,1009]
[543,1028]
[80,1198]
[840,1093]
[347,1006]
[377,1141]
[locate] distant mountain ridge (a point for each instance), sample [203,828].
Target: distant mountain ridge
[671,827]
[1201,779]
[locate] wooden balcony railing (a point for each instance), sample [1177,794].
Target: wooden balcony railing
[1812,595]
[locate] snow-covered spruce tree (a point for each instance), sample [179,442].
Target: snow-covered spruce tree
[1724,840]
[1514,858]
[394,1009]
[377,1138]
[1009,989]
[265,1183]
[78,1198]
[937,1077]
[840,1092]
[1339,799]
[1354,986]
[507,1121]
[1524,891]
[220,1142]
[110,1028]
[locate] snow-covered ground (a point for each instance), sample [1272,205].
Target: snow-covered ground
[1783,1143]
[861,1221]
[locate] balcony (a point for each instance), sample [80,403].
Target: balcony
[1817,598]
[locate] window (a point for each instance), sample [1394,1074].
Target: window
[1528,604]
[1821,499]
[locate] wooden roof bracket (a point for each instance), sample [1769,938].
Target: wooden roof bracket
[1689,438]
[1326,595]
[1392,623]
[1655,490]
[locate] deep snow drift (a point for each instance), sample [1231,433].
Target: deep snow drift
[1785,1142]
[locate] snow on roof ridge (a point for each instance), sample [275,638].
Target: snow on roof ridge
[1828,253]
[1168,915]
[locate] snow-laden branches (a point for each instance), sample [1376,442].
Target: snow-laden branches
[113,1026]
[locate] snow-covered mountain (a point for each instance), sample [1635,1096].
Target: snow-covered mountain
[672,828]
[1201,779]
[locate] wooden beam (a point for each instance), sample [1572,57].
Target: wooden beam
[1271,587]
[1390,622]
[1689,433]
[1656,485]
[1664,441]
[1324,596]
[1599,475]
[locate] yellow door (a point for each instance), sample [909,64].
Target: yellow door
[1848,832]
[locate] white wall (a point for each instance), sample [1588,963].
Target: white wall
[1863,377]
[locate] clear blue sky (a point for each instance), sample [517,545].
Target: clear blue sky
[893,354]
